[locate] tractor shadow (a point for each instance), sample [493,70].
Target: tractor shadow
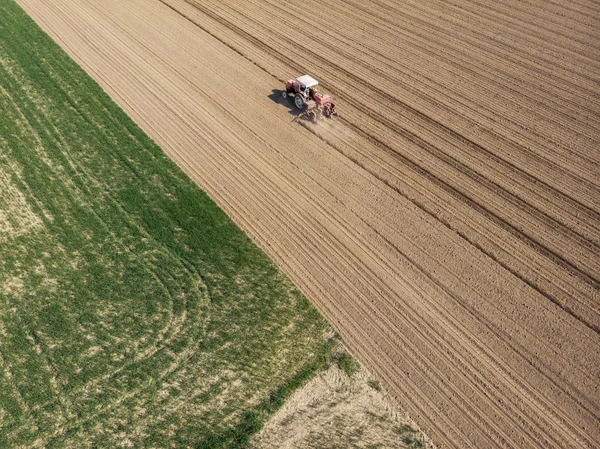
[276,97]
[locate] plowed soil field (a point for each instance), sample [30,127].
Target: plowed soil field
[447,223]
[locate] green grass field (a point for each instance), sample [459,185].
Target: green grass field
[133,312]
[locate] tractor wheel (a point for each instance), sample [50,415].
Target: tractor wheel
[284,94]
[299,101]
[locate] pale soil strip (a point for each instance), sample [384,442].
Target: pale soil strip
[444,326]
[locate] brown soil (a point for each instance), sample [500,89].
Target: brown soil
[447,223]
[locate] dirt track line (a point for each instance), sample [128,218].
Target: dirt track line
[463,53]
[456,24]
[462,43]
[563,21]
[449,220]
[491,17]
[561,304]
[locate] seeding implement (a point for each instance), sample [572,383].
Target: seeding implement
[315,105]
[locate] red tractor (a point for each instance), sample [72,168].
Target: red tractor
[314,104]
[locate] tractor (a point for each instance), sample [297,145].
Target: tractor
[314,104]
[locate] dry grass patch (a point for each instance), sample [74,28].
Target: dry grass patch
[335,410]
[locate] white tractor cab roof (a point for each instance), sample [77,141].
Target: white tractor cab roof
[307,81]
